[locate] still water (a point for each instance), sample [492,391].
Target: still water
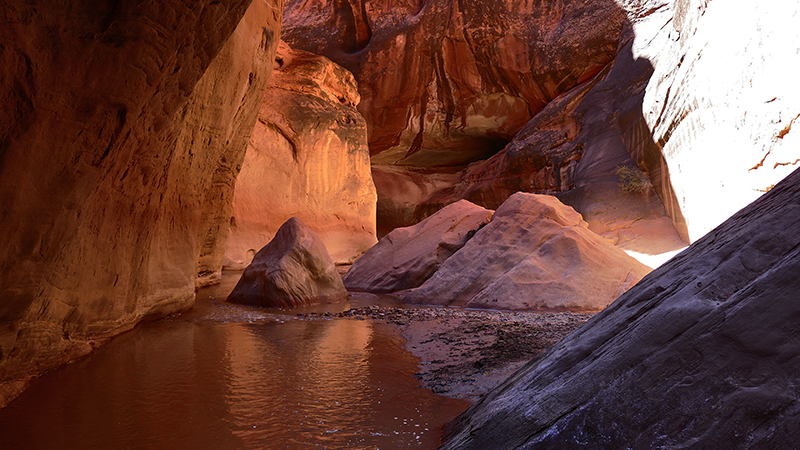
[232,377]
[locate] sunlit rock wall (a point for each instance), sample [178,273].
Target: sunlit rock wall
[307,158]
[700,96]
[107,152]
[721,104]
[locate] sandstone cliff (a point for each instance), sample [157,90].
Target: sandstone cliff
[448,83]
[700,97]
[307,158]
[118,118]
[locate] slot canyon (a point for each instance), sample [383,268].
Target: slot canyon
[455,224]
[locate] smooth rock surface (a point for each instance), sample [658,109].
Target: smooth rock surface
[294,269]
[535,254]
[103,174]
[702,353]
[406,257]
[403,195]
[307,158]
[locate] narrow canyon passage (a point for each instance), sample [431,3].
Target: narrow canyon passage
[226,376]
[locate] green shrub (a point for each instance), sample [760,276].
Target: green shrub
[632,180]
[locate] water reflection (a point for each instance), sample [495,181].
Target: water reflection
[229,377]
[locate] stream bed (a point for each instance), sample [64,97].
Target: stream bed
[226,376]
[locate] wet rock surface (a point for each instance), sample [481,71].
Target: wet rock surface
[465,353]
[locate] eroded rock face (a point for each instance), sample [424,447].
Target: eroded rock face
[447,83]
[102,173]
[294,269]
[702,353]
[466,78]
[406,257]
[308,158]
[535,254]
[700,97]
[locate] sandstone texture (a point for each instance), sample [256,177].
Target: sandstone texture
[535,254]
[449,82]
[406,257]
[403,195]
[702,353]
[700,97]
[113,130]
[294,269]
[307,158]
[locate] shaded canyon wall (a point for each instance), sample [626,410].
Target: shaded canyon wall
[117,121]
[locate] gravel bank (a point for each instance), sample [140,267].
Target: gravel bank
[465,353]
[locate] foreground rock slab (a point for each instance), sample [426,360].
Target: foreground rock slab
[535,254]
[702,353]
[294,269]
[408,256]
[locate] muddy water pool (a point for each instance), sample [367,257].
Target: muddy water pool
[232,377]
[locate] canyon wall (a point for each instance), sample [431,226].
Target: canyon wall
[307,158]
[117,121]
[447,84]
[580,89]
[700,97]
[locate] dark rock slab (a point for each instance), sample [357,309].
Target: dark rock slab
[702,353]
[294,269]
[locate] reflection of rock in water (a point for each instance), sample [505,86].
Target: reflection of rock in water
[230,377]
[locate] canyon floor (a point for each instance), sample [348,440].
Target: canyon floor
[465,353]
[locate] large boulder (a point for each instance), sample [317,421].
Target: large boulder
[535,254]
[307,158]
[116,119]
[406,257]
[294,269]
[702,353]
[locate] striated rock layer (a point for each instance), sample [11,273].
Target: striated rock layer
[294,269]
[118,118]
[702,353]
[449,82]
[535,254]
[406,257]
[307,158]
